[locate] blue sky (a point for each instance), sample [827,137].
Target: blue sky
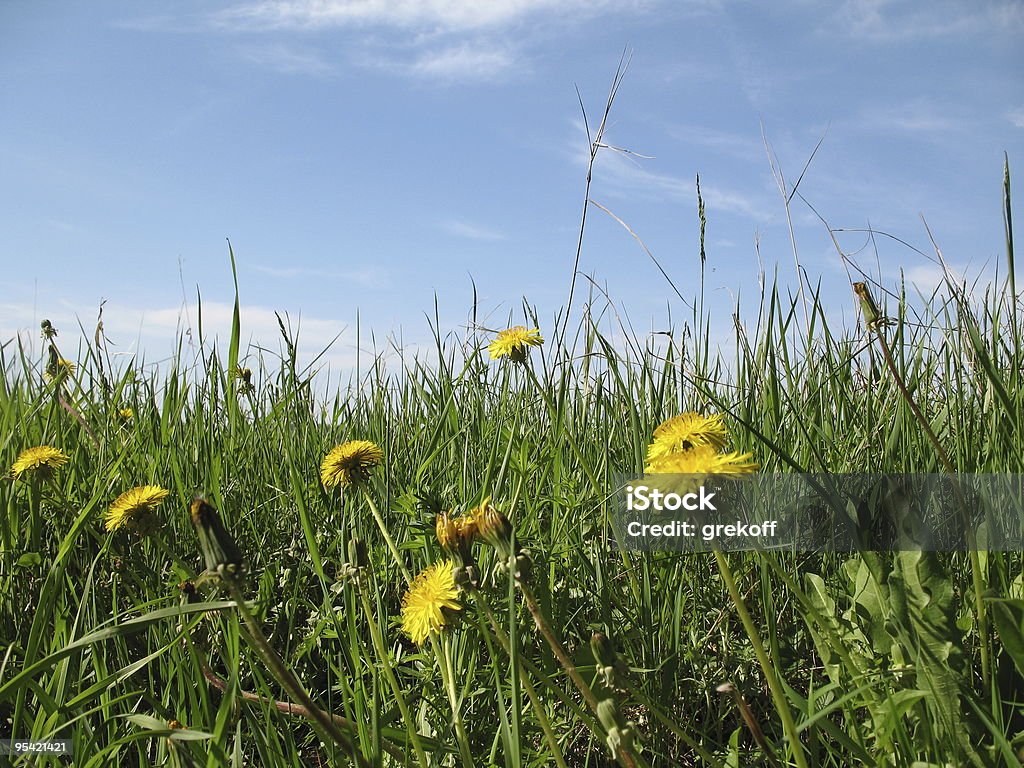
[363,156]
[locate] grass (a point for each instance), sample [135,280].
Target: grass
[116,642]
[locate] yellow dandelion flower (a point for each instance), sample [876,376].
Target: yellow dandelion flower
[447,531]
[59,369]
[350,463]
[685,431]
[243,373]
[126,414]
[703,460]
[429,595]
[515,343]
[41,460]
[455,534]
[134,508]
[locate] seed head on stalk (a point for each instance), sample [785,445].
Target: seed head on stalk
[222,556]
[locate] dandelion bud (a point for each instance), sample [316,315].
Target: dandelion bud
[218,547]
[621,735]
[188,590]
[447,532]
[357,555]
[602,649]
[494,527]
[610,668]
[352,571]
[523,565]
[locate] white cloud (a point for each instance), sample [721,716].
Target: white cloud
[931,279]
[896,20]
[287,59]
[465,61]
[152,333]
[1017,117]
[625,174]
[926,277]
[448,15]
[441,40]
[470,231]
[916,117]
[728,143]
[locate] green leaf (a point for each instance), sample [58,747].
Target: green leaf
[1009,621]
[30,559]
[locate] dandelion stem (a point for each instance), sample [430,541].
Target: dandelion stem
[675,728]
[977,583]
[444,662]
[553,414]
[625,757]
[387,537]
[285,676]
[532,668]
[287,707]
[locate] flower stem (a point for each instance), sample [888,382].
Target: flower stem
[387,537]
[597,486]
[283,706]
[287,678]
[444,662]
[625,756]
[977,582]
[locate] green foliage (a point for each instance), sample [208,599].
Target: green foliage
[880,658]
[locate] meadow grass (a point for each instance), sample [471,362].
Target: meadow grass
[808,659]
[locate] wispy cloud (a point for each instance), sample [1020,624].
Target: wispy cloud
[437,40]
[287,59]
[917,117]
[929,279]
[746,147]
[163,22]
[624,174]
[884,21]
[132,331]
[470,231]
[477,60]
[1017,117]
[446,15]
[464,61]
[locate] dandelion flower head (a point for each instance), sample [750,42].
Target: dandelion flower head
[134,508]
[515,343]
[429,594]
[59,369]
[41,460]
[703,460]
[685,431]
[454,532]
[350,463]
